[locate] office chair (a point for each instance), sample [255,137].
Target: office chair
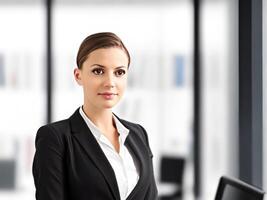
[233,189]
[172,171]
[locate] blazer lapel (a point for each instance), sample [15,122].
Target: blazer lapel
[84,136]
[139,151]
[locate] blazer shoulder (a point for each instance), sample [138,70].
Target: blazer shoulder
[138,129]
[61,126]
[58,130]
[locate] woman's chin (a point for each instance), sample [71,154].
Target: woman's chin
[109,105]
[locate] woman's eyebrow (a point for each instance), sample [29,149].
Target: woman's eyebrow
[102,66]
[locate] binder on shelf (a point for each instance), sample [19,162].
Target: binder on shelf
[2,71]
[179,71]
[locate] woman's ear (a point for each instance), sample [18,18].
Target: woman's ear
[77,75]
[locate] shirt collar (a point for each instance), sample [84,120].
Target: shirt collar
[122,130]
[93,128]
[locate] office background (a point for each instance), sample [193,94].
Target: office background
[160,37]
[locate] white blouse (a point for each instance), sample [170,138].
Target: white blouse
[123,164]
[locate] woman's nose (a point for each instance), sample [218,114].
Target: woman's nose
[110,80]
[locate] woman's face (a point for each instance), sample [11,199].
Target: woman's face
[103,77]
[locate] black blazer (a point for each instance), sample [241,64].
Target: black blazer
[69,164]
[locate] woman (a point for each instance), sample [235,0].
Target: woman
[95,155]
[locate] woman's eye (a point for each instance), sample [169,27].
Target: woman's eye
[98,71]
[120,72]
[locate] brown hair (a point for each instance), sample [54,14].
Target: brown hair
[97,41]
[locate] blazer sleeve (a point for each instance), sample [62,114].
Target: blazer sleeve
[48,170]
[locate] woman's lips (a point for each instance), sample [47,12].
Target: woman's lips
[108,95]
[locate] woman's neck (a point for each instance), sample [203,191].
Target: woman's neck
[104,122]
[101,118]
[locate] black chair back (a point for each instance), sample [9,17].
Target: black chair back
[234,189]
[172,172]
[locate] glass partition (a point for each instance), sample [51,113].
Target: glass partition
[22,94]
[219,65]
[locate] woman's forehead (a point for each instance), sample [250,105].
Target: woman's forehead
[107,55]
